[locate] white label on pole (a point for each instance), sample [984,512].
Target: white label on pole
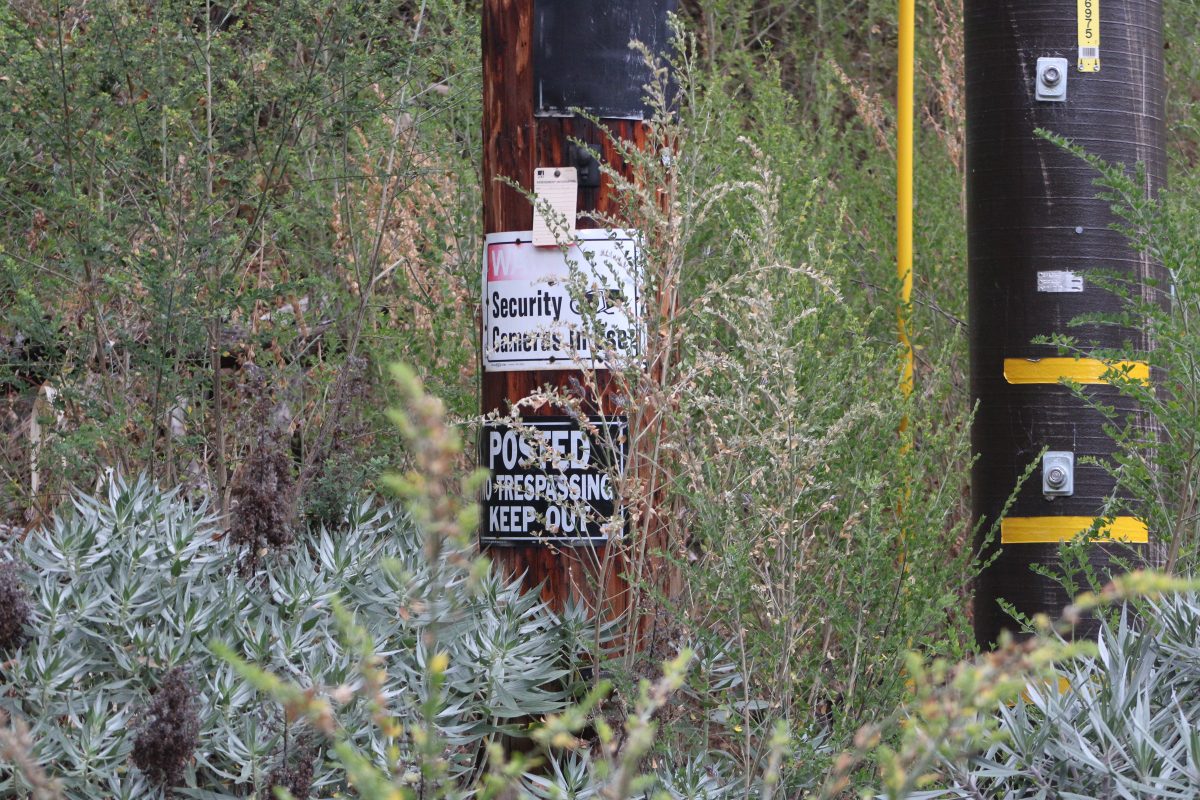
[1089,35]
[555,192]
[1059,281]
[544,308]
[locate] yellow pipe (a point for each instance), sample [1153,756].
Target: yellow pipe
[904,188]
[904,212]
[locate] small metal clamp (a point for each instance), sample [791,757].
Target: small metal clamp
[1051,83]
[1058,474]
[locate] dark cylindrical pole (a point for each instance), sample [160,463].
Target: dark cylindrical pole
[1090,71]
[542,60]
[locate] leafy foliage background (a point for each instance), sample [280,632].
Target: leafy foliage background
[221,223]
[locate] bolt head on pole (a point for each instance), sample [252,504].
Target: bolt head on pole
[1056,477]
[1050,82]
[1058,474]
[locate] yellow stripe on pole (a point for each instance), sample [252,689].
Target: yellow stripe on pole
[1050,530]
[1080,370]
[904,189]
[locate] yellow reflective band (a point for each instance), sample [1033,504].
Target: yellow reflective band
[1080,370]
[1049,530]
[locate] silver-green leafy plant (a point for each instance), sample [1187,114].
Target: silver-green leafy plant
[1052,716]
[1122,723]
[126,585]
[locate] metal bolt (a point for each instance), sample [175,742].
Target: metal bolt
[1051,76]
[1056,477]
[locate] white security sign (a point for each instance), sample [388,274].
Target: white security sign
[544,308]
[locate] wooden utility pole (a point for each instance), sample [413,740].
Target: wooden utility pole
[1092,72]
[542,59]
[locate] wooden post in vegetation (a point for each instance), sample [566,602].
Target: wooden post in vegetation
[1090,71]
[542,59]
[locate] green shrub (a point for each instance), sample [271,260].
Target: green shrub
[191,188]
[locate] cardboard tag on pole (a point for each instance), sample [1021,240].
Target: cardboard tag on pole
[556,192]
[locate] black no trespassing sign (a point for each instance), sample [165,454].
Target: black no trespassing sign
[552,480]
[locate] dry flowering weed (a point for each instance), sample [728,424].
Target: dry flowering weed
[14,607]
[762,489]
[293,772]
[168,731]
[263,489]
[871,107]
[946,111]
[764,479]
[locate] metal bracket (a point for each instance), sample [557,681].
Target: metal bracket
[1051,83]
[1058,474]
[586,164]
